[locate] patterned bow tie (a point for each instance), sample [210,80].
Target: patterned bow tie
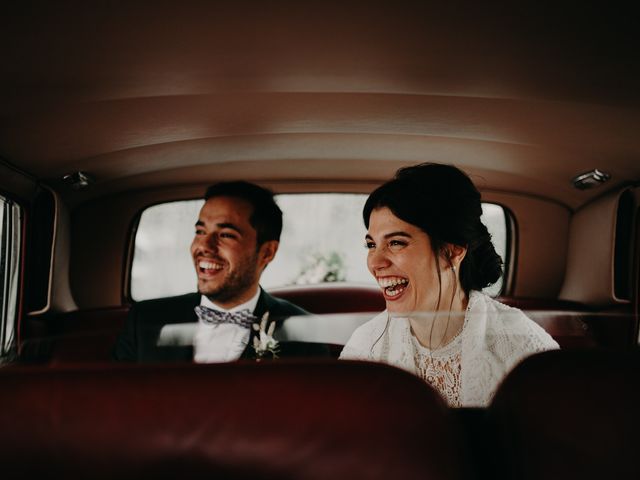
[209,316]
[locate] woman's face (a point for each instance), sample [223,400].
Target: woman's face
[402,261]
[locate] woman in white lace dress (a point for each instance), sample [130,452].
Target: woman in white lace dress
[431,255]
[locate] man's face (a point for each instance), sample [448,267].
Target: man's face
[224,252]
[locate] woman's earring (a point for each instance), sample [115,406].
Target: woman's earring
[453,267]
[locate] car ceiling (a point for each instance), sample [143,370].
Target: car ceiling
[146,94]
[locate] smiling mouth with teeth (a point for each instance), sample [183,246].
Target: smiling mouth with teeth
[393,286]
[208,266]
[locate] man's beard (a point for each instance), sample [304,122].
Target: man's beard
[236,283]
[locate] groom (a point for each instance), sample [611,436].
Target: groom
[236,236]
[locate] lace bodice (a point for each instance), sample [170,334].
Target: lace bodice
[440,368]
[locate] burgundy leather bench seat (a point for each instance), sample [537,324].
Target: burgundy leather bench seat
[267,420]
[559,414]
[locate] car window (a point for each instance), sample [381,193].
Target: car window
[322,241]
[10,241]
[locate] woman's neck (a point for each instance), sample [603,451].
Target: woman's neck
[435,329]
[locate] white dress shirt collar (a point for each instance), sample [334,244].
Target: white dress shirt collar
[223,342]
[249,305]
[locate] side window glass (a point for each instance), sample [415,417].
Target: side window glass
[10,241]
[322,241]
[162,264]
[495,218]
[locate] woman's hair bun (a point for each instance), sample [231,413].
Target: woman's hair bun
[482,266]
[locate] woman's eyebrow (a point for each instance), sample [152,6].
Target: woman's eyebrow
[389,235]
[397,234]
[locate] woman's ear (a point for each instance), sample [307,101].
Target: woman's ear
[454,254]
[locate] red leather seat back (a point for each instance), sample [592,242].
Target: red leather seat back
[334,420]
[78,336]
[333,297]
[575,325]
[569,414]
[89,335]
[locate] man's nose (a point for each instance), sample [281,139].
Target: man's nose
[208,242]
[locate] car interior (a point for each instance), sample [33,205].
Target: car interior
[109,109]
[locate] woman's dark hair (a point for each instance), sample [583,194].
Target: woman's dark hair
[443,202]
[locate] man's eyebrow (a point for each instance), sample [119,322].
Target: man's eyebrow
[230,226]
[389,235]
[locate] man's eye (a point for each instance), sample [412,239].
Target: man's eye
[369,245]
[397,243]
[227,235]
[199,232]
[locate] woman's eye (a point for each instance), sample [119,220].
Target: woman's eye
[397,243]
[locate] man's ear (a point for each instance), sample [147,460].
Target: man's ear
[267,252]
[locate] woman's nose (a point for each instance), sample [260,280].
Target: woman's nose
[377,259]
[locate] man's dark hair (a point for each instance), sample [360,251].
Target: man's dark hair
[266,218]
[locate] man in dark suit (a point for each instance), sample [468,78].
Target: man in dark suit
[236,236]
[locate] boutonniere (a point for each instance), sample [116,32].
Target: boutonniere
[263,342]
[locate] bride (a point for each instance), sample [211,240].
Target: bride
[432,256]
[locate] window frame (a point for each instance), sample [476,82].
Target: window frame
[13,289]
[511,252]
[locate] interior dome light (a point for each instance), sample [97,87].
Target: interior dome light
[78,180]
[590,179]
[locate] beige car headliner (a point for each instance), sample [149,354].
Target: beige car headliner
[148,94]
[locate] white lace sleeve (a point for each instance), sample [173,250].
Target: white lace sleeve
[359,346]
[521,338]
[351,353]
[499,337]
[534,340]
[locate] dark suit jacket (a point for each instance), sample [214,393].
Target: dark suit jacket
[138,340]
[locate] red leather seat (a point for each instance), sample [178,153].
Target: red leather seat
[89,335]
[78,336]
[337,420]
[333,297]
[569,414]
